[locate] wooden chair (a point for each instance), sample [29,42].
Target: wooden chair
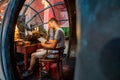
[57,59]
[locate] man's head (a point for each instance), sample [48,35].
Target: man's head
[52,23]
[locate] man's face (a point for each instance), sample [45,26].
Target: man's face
[50,24]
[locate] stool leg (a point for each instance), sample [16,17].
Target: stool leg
[50,71]
[58,78]
[61,69]
[40,70]
[49,67]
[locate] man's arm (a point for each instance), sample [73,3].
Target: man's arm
[52,44]
[49,41]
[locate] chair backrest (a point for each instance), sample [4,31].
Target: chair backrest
[59,51]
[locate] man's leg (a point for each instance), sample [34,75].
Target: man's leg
[34,56]
[32,62]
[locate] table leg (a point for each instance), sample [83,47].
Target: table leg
[25,61]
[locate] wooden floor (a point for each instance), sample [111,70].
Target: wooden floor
[68,71]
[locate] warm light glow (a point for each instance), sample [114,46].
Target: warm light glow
[1,17]
[2,11]
[16,36]
[45,3]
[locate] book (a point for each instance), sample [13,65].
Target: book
[41,39]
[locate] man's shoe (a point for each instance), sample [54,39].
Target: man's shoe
[44,73]
[27,73]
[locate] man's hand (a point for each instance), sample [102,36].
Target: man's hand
[51,44]
[42,44]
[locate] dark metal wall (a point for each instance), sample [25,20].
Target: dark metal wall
[71,6]
[7,58]
[99,54]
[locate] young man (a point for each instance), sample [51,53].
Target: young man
[57,42]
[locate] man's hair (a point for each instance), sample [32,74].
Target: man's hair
[53,19]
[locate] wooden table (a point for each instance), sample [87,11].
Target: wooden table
[26,50]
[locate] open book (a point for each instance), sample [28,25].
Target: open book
[41,39]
